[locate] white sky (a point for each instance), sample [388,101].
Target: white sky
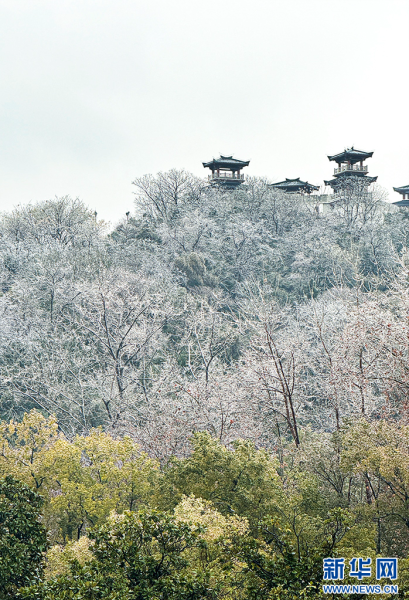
[94,93]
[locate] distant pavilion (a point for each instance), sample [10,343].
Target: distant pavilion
[404,190]
[295,186]
[226,171]
[350,165]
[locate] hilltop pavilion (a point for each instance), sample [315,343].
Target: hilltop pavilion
[226,171]
[350,165]
[296,186]
[404,191]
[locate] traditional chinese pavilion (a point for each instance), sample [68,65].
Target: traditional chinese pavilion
[350,164]
[404,190]
[226,171]
[296,186]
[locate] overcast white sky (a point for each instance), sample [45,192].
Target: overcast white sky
[94,93]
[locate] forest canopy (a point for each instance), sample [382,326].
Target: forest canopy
[214,390]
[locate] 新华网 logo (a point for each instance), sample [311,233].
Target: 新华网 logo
[360,568]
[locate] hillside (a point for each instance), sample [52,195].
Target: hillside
[242,313]
[206,401]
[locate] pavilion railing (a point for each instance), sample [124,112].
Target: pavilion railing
[343,168]
[226,176]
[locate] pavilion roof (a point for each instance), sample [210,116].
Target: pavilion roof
[401,203]
[340,181]
[402,190]
[350,154]
[226,162]
[293,185]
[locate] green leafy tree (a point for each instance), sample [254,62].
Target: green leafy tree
[136,556]
[83,480]
[22,537]
[285,562]
[242,481]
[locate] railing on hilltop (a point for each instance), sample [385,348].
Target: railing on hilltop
[225,175]
[343,168]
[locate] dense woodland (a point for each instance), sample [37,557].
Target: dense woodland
[207,400]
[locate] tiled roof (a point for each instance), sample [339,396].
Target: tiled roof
[401,203]
[347,178]
[295,185]
[226,162]
[402,190]
[350,154]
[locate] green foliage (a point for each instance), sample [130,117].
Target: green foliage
[81,481]
[278,572]
[137,556]
[59,557]
[377,453]
[240,481]
[22,537]
[252,527]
